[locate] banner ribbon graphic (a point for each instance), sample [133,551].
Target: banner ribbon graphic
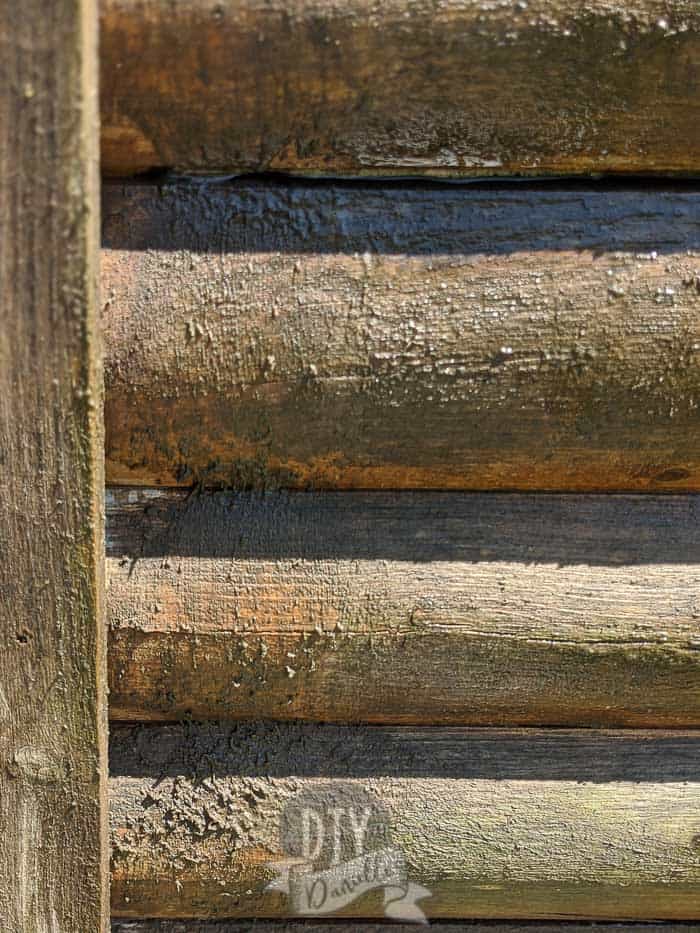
[314,894]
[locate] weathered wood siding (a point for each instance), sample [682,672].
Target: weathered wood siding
[513,926]
[496,824]
[53,813]
[410,607]
[453,87]
[371,337]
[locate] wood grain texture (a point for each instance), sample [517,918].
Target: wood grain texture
[454,87]
[299,926]
[499,824]
[53,845]
[406,607]
[374,337]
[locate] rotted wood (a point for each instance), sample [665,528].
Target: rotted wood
[386,337]
[356,87]
[54,870]
[495,823]
[406,607]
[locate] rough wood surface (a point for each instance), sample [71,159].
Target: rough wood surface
[405,607]
[53,844]
[499,824]
[280,926]
[456,87]
[262,334]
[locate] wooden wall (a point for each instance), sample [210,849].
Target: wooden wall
[403,475]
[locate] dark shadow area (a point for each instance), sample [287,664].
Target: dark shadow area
[344,926]
[565,529]
[278,750]
[282,214]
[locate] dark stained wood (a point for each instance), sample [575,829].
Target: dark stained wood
[401,86]
[299,926]
[406,607]
[53,844]
[382,337]
[544,824]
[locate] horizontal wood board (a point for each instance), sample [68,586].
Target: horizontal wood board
[355,87]
[404,607]
[265,334]
[495,823]
[302,926]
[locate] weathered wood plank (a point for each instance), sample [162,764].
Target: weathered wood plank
[499,824]
[409,607]
[53,845]
[299,926]
[361,86]
[401,338]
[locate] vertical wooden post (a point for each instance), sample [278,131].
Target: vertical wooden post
[53,865]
